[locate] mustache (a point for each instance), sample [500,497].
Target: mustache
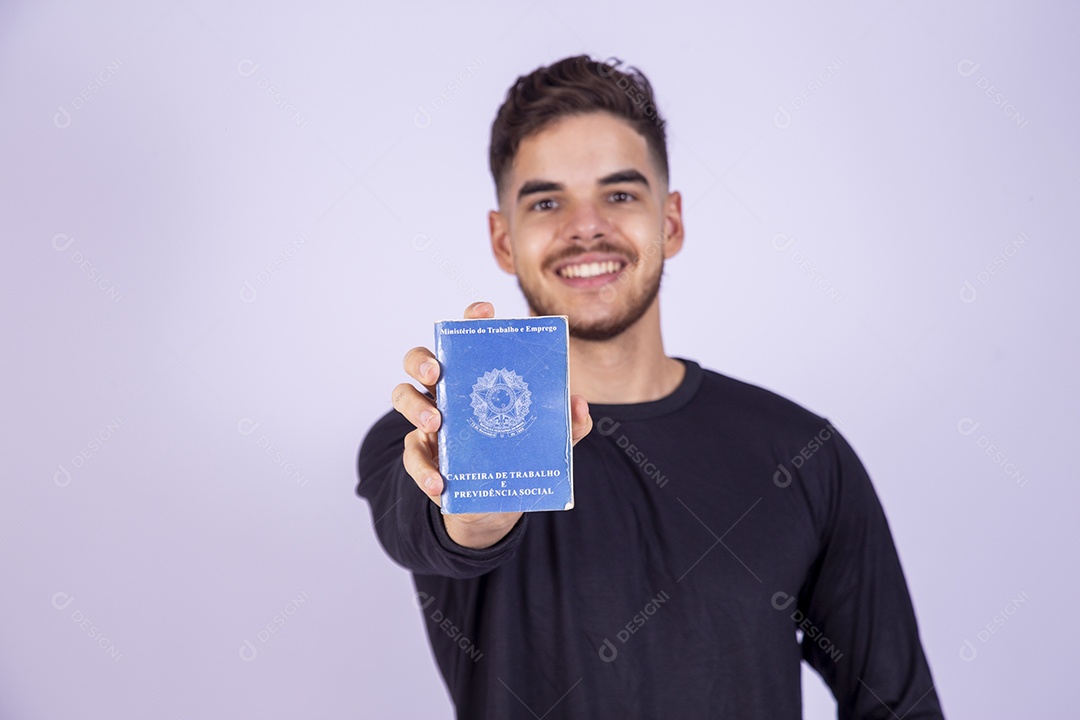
[602,246]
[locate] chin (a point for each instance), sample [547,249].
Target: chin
[598,319]
[608,323]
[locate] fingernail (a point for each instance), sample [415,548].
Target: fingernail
[427,369]
[429,483]
[425,417]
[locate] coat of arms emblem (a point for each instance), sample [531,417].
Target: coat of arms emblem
[500,403]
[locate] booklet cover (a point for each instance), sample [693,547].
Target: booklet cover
[504,396]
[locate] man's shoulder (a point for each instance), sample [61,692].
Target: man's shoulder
[738,399]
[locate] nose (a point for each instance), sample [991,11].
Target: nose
[587,223]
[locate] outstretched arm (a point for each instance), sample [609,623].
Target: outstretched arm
[399,456]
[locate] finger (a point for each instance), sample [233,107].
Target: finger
[422,366]
[480,309]
[580,420]
[416,407]
[418,463]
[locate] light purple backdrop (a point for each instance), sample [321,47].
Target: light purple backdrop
[225,225]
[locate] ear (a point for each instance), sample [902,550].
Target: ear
[673,225]
[500,241]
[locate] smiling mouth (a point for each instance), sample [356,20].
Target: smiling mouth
[591,269]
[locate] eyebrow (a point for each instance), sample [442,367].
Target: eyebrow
[624,176]
[542,186]
[538,186]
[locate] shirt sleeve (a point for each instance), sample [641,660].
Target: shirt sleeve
[858,623]
[408,524]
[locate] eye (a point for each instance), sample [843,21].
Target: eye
[545,204]
[621,196]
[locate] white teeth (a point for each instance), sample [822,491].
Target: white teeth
[587,270]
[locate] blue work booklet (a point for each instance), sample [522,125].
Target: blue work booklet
[504,396]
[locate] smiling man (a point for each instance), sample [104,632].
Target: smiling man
[722,533]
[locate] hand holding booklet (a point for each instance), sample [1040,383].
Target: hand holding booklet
[504,397]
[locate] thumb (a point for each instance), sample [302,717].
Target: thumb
[580,420]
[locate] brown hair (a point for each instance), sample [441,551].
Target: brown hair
[574,86]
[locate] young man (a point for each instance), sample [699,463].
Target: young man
[715,521]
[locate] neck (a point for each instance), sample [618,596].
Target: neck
[629,368]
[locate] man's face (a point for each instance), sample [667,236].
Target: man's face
[585,222]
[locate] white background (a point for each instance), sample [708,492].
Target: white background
[211,212]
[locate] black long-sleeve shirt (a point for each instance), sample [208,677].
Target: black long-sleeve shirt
[713,530]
